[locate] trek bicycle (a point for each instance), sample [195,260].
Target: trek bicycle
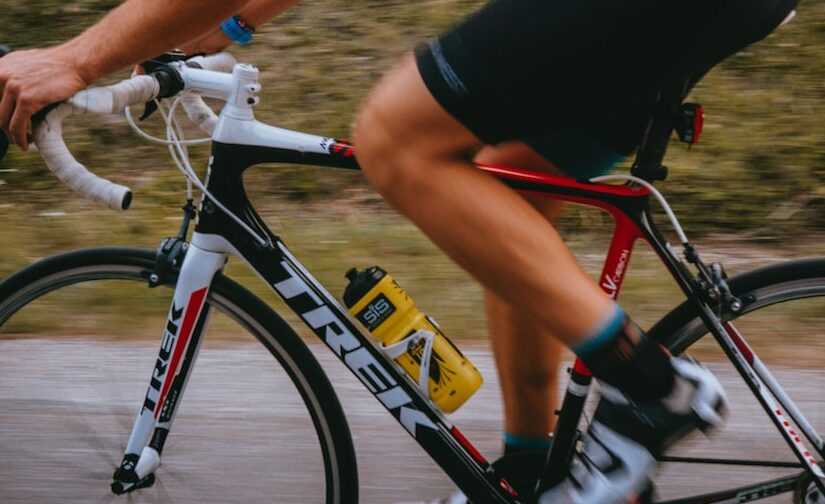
[191,268]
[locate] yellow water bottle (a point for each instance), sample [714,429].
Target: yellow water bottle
[413,339]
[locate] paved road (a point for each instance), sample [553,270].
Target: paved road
[66,408]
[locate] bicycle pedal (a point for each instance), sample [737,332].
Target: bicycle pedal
[122,487]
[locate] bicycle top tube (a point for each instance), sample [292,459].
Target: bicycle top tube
[237,125]
[240,94]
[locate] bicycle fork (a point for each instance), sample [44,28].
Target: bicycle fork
[180,343]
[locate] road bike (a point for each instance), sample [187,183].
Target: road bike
[190,268]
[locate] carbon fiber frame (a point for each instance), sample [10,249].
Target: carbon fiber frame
[630,210]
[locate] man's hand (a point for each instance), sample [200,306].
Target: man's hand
[30,80]
[133,32]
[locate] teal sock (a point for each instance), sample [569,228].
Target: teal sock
[603,333]
[618,352]
[515,444]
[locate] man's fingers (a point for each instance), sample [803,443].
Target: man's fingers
[19,126]
[15,111]
[30,80]
[9,97]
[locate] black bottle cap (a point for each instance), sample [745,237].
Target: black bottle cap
[360,283]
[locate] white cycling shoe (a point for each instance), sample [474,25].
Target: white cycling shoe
[618,457]
[620,446]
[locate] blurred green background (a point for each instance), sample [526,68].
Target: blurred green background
[752,192]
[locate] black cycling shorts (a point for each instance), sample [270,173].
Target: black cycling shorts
[575,79]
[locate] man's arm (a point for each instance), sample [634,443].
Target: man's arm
[133,32]
[255,12]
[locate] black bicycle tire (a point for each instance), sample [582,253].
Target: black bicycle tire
[295,358]
[759,288]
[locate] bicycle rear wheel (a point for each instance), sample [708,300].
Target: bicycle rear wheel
[784,323]
[78,339]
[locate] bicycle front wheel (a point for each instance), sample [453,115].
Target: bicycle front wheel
[783,322]
[78,340]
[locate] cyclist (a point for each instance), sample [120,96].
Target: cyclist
[571,82]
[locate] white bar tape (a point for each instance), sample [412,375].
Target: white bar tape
[48,135]
[113,99]
[221,62]
[196,109]
[199,112]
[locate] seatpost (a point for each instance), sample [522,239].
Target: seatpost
[651,153]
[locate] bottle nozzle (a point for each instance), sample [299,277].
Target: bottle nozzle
[360,283]
[351,274]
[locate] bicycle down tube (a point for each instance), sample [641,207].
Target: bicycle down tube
[325,316]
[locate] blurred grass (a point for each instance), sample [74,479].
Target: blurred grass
[758,172]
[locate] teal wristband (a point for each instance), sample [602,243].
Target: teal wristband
[237,30]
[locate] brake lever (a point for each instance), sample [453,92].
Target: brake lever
[170,81]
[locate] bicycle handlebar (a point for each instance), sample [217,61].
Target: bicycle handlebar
[48,133]
[192,102]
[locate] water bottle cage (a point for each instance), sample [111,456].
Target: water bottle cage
[401,347]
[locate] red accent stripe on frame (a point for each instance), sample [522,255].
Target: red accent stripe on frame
[579,367]
[561,181]
[743,347]
[193,309]
[469,447]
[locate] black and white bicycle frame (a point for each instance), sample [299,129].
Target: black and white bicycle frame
[234,228]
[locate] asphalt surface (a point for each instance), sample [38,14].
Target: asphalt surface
[66,408]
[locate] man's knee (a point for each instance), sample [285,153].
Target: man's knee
[402,133]
[374,137]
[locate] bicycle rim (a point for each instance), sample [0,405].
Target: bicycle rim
[784,324]
[78,340]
